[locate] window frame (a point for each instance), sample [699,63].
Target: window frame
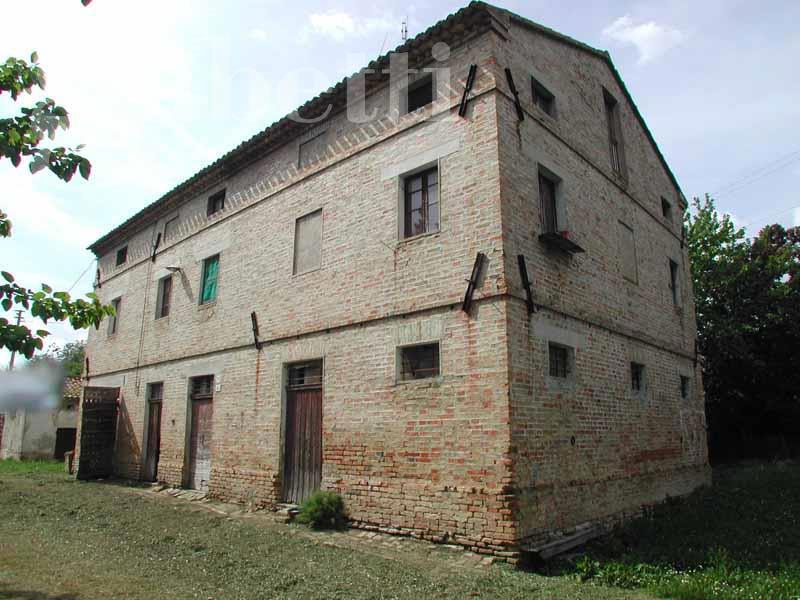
[123,252]
[674,282]
[160,295]
[616,145]
[555,182]
[685,387]
[400,364]
[625,276]
[425,204]
[203,275]
[155,385]
[318,266]
[638,378]
[113,320]
[216,203]
[666,209]
[421,81]
[554,347]
[543,98]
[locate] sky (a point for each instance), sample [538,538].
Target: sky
[157,90]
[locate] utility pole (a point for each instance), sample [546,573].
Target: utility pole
[14,352]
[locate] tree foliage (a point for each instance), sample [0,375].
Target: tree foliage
[748,317]
[22,137]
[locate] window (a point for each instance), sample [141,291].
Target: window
[171,229]
[313,149]
[202,387]
[547,200]
[308,243]
[559,361]
[684,387]
[208,289]
[156,392]
[216,202]
[674,282]
[627,251]
[305,375]
[122,255]
[420,93]
[543,98]
[164,296]
[421,203]
[419,362]
[666,209]
[114,319]
[614,133]
[637,377]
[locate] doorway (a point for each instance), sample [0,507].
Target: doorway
[201,432]
[302,456]
[155,397]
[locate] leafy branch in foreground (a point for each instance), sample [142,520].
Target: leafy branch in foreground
[46,305]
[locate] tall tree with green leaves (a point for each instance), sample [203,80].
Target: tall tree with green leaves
[23,138]
[747,294]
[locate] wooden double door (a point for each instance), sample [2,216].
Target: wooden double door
[302,458]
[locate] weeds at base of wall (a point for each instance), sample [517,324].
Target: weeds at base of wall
[323,510]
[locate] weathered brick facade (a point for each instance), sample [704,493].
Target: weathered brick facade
[494,453]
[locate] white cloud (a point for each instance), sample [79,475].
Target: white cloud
[797,216]
[340,25]
[650,39]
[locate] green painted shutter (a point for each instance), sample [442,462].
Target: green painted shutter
[210,280]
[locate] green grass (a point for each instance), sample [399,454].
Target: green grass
[738,540]
[26,467]
[61,539]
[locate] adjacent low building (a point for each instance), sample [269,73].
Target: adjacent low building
[470,314]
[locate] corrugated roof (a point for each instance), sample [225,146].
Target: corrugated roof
[286,128]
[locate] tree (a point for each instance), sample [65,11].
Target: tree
[22,137]
[748,317]
[70,356]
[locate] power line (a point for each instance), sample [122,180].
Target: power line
[759,173]
[89,266]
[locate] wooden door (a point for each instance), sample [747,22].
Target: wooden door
[200,444]
[153,442]
[303,452]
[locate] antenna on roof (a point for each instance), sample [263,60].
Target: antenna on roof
[404,29]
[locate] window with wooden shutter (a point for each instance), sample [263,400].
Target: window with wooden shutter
[547,201]
[674,282]
[308,243]
[113,320]
[208,289]
[164,297]
[614,133]
[627,252]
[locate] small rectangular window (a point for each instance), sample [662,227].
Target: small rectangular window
[627,250]
[614,133]
[674,282]
[164,297]
[305,375]
[216,202]
[113,320]
[637,377]
[312,150]
[208,289]
[684,387]
[419,362]
[420,93]
[171,229]
[156,392]
[547,200]
[543,98]
[202,387]
[559,361]
[308,243]
[421,203]
[122,255]
[666,209]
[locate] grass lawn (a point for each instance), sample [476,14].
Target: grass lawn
[67,540]
[738,540]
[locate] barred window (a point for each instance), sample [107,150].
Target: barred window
[202,387]
[559,361]
[419,362]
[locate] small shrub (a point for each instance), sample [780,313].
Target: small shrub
[323,510]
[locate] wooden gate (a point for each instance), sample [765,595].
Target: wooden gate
[98,432]
[200,436]
[302,466]
[153,449]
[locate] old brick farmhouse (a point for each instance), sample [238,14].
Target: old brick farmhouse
[470,314]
